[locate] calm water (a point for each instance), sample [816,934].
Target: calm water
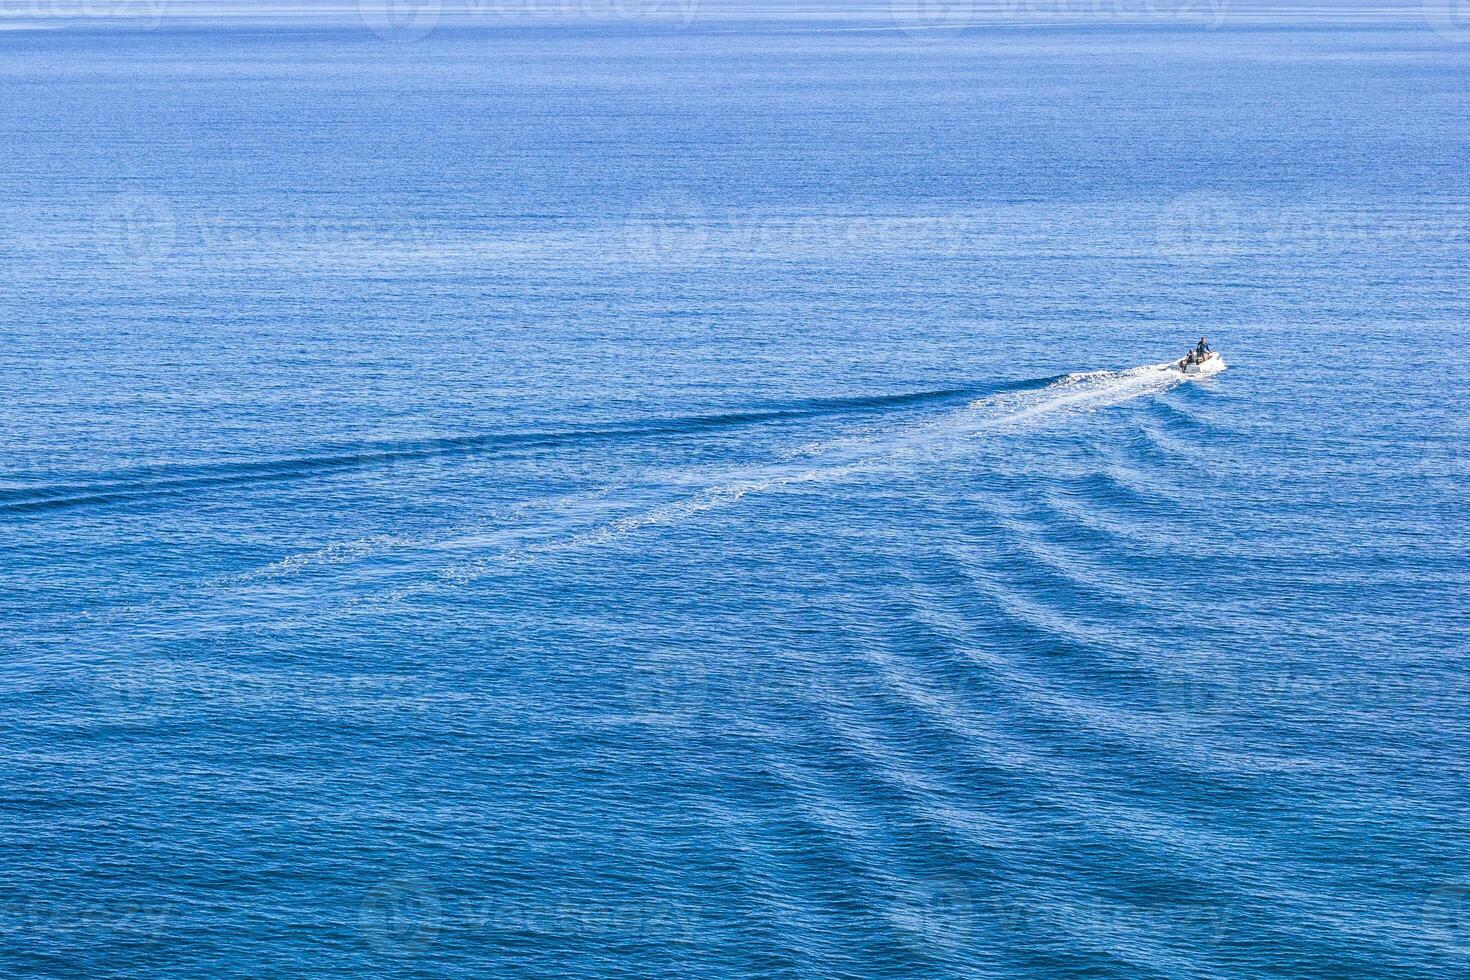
[620,496]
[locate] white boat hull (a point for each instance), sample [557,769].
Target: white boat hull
[1213,362]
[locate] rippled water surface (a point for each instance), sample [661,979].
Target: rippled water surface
[620,496]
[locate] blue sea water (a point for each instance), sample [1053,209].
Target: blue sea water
[588,493]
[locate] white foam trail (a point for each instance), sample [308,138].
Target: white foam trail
[1091,390]
[878,448]
[837,459]
[1014,410]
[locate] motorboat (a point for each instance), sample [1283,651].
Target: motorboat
[1192,363]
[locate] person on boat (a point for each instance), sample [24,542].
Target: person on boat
[1203,349]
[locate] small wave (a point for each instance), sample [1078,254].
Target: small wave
[1180,417]
[1084,515]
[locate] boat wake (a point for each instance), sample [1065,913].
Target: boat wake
[938,426]
[877,449]
[142,484]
